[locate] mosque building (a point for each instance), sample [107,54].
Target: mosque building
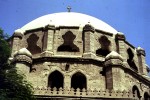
[70,56]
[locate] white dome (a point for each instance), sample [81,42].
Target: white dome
[68,19]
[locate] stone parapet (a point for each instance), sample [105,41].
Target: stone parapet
[83,93]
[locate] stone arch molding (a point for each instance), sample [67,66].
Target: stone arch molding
[55,82]
[83,75]
[138,87]
[80,71]
[55,68]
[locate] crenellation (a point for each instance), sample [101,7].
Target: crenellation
[89,93]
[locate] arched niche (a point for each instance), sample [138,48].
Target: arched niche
[146,96]
[78,80]
[55,79]
[130,59]
[136,91]
[32,44]
[105,44]
[68,44]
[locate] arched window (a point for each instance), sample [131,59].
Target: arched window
[32,44]
[78,80]
[55,79]
[136,91]
[68,44]
[130,59]
[104,50]
[146,96]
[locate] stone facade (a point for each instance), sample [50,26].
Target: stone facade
[73,62]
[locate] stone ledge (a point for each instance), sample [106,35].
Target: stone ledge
[113,62]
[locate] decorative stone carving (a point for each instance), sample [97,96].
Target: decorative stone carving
[23,58]
[88,27]
[94,94]
[23,55]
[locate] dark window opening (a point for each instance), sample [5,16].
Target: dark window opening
[136,92]
[78,80]
[130,60]
[68,48]
[55,80]
[104,50]
[67,67]
[32,44]
[68,44]
[146,96]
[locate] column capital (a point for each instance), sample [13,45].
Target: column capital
[18,33]
[120,36]
[140,51]
[88,27]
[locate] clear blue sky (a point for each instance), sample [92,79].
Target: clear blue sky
[132,17]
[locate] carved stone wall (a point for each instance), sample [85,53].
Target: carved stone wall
[58,40]
[123,77]
[40,72]
[31,37]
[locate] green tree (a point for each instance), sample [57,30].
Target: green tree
[13,86]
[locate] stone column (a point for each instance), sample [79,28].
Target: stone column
[48,40]
[67,82]
[23,60]
[88,38]
[121,49]
[141,60]
[17,36]
[114,72]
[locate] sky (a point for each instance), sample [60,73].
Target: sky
[131,17]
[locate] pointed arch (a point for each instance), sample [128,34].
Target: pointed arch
[68,44]
[78,80]
[136,91]
[55,79]
[146,96]
[130,59]
[105,44]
